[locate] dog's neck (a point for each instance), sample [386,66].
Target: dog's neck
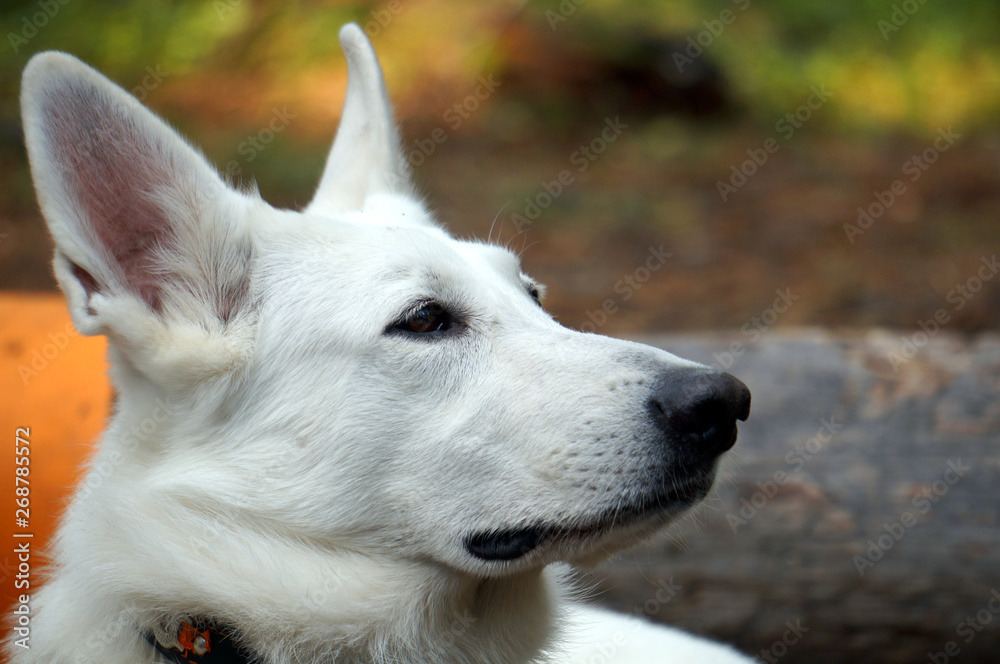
[482,630]
[289,600]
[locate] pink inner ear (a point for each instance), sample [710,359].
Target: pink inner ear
[86,279]
[112,163]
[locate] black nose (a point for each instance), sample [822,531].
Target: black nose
[698,409]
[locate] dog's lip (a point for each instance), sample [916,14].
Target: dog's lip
[507,544]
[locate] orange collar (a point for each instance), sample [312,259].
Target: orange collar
[203,642]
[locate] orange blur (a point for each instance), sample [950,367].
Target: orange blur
[55,383]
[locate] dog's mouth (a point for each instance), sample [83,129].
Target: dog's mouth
[507,544]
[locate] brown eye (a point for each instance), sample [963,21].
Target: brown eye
[429,319]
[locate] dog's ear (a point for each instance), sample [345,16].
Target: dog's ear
[366,157]
[152,247]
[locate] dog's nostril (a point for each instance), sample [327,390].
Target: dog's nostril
[707,425]
[702,417]
[658,407]
[700,409]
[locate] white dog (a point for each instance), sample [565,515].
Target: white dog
[340,435]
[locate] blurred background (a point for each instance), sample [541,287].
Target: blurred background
[794,191]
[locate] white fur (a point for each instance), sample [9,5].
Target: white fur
[276,459]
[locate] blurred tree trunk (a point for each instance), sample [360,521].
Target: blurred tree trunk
[861,511]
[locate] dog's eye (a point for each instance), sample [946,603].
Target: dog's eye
[430,318]
[536,291]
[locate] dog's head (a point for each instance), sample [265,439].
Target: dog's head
[350,375]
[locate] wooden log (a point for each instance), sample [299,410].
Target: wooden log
[859,514]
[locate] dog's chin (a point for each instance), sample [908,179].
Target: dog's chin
[589,539]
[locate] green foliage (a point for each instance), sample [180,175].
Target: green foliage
[914,64]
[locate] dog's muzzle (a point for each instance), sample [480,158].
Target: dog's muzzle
[694,414]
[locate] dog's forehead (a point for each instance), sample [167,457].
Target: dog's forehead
[402,220]
[433,259]
[391,210]
[487,257]
[389,247]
